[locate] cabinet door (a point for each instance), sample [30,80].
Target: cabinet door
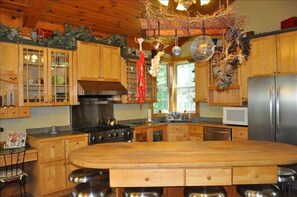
[240,133]
[88,61]
[33,76]
[245,73]
[9,61]
[177,132]
[52,177]
[156,133]
[263,56]
[75,143]
[140,135]
[201,82]
[195,133]
[51,151]
[286,52]
[60,77]
[110,63]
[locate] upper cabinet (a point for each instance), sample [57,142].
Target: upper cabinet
[9,62]
[287,52]
[98,62]
[132,85]
[201,78]
[45,76]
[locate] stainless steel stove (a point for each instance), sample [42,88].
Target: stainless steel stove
[107,134]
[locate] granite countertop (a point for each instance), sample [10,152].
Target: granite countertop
[59,134]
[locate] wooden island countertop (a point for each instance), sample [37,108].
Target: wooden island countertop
[187,163]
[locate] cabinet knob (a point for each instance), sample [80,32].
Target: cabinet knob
[208,177]
[53,146]
[146,178]
[77,143]
[256,176]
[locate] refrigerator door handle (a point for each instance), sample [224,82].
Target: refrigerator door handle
[277,106]
[270,108]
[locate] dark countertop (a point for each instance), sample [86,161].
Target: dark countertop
[59,134]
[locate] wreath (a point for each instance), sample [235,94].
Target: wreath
[235,50]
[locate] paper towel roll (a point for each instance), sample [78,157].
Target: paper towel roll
[149,115]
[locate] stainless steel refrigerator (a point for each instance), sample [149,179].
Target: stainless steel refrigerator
[272,108]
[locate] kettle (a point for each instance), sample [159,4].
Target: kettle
[112,122]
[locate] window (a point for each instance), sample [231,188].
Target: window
[162,95]
[185,87]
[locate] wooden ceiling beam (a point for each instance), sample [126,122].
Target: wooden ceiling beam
[33,12]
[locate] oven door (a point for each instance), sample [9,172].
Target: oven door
[217,134]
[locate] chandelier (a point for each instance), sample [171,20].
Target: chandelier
[183,4]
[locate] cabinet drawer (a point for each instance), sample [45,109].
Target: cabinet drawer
[239,133]
[13,112]
[25,112]
[255,175]
[3,113]
[146,178]
[209,176]
[176,128]
[51,151]
[75,143]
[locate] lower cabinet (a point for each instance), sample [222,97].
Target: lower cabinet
[239,133]
[195,132]
[152,133]
[52,168]
[177,132]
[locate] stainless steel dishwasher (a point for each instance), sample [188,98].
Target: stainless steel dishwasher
[217,134]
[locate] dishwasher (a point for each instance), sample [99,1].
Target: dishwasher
[217,134]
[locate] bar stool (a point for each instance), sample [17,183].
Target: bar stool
[285,177]
[91,182]
[143,192]
[205,191]
[259,190]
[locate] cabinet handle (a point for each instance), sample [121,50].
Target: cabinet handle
[53,146]
[13,112]
[146,178]
[256,176]
[208,177]
[77,143]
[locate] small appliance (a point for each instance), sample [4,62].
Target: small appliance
[235,115]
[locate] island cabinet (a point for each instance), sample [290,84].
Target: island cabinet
[51,171]
[45,76]
[151,133]
[177,132]
[98,62]
[195,132]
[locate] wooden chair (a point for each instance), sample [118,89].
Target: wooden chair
[13,170]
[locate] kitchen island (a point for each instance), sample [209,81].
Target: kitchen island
[187,163]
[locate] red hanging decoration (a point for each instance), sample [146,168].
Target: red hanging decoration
[141,78]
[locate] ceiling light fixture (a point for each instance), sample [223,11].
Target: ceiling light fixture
[182,4]
[204,2]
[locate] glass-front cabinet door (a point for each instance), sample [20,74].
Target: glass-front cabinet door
[33,76]
[59,76]
[45,76]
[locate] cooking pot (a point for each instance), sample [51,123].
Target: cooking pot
[112,122]
[159,46]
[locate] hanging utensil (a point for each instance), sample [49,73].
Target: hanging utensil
[176,50]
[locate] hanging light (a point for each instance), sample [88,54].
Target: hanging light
[182,4]
[204,2]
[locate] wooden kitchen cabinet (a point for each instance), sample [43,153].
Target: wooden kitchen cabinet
[52,168]
[245,74]
[9,62]
[98,62]
[286,52]
[177,132]
[239,133]
[201,78]
[45,76]
[262,59]
[140,135]
[132,85]
[150,133]
[15,112]
[195,132]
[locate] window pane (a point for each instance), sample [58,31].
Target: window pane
[162,95]
[185,87]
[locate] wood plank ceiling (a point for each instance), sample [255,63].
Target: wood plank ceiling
[105,17]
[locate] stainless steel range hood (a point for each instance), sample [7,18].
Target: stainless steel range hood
[102,88]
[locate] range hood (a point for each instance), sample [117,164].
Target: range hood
[101,88]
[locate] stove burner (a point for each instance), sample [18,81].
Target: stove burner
[105,133]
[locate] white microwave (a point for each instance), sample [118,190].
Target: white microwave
[235,115]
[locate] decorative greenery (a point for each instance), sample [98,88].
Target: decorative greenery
[10,33]
[66,39]
[236,49]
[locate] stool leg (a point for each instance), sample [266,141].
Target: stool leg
[289,189]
